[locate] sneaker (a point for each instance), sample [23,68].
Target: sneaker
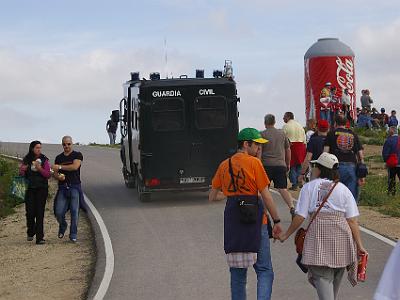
[60,235]
[73,240]
[40,242]
[29,238]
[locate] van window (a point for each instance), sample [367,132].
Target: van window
[211,112]
[168,114]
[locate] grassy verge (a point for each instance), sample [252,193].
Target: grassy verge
[374,193]
[371,136]
[8,170]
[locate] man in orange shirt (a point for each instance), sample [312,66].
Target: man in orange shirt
[246,240]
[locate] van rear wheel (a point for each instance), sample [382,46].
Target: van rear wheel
[130,181]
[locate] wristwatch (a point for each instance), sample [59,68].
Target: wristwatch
[276,221]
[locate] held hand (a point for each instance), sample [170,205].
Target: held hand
[55,168]
[276,231]
[283,237]
[361,250]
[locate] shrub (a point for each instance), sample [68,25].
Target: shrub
[8,170]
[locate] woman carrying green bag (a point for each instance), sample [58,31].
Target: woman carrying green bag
[36,169]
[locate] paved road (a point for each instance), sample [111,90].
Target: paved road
[172,248]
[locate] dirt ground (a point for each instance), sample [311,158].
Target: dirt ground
[59,269]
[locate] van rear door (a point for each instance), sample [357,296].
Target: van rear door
[166,141]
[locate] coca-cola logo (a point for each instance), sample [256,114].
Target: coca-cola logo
[345,74]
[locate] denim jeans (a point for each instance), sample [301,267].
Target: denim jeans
[348,177]
[63,203]
[264,271]
[294,173]
[112,137]
[325,115]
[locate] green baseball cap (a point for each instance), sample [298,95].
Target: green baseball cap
[251,134]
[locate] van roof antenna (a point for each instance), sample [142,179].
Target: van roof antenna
[165,57]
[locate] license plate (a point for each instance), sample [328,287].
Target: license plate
[187,180]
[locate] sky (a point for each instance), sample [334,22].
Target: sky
[63,63]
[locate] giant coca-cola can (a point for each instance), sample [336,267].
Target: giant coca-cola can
[328,60]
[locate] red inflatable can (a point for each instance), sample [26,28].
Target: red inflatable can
[329,61]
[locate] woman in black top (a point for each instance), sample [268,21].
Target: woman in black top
[36,169]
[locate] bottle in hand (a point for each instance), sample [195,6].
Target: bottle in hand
[362,267]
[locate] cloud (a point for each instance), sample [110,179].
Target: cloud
[66,90]
[377,49]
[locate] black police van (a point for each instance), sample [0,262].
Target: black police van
[175,132]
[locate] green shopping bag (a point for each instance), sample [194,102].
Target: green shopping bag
[19,186]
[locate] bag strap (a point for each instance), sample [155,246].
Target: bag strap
[232,176]
[322,204]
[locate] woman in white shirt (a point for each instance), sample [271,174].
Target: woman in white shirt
[333,239]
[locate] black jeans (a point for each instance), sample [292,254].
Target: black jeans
[35,202]
[392,179]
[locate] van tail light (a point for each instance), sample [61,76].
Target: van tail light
[152,182]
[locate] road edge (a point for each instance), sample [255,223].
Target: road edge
[104,250]
[363,229]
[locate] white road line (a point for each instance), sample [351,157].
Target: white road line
[109,268]
[363,229]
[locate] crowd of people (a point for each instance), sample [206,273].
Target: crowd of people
[331,105]
[327,163]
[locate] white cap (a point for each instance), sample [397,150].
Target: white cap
[328,83]
[326,160]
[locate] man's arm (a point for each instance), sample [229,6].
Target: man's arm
[288,157]
[72,167]
[361,156]
[213,195]
[270,205]
[306,162]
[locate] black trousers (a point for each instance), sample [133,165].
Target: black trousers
[35,202]
[392,179]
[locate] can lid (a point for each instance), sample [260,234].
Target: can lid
[328,47]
